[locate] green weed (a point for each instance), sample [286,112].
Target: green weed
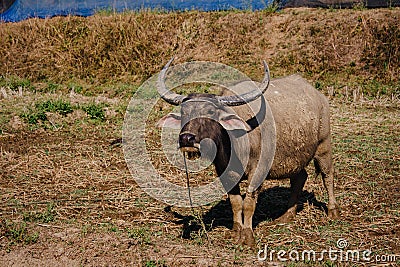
[153,263]
[4,119]
[124,90]
[49,215]
[142,235]
[95,111]
[14,83]
[56,106]
[76,87]
[202,233]
[272,8]
[113,228]
[18,233]
[33,117]
[51,88]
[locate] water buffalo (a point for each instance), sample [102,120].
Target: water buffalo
[302,130]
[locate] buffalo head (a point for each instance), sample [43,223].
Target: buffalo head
[204,119]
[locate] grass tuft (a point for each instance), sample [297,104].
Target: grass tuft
[14,83]
[142,235]
[56,106]
[49,215]
[33,116]
[95,111]
[18,233]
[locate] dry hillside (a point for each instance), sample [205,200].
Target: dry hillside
[327,46]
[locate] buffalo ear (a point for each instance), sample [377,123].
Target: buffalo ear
[172,120]
[233,122]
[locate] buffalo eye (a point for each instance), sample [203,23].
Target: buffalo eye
[210,112]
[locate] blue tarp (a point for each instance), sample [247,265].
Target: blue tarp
[12,11]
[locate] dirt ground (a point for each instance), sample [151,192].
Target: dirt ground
[68,199]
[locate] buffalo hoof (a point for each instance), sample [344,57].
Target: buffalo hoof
[333,213]
[235,233]
[247,238]
[287,217]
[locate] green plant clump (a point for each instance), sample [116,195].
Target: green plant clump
[33,117]
[153,263]
[58,106]
[47,216]
[18,233]
[14,83]
[142,235]
[95,111]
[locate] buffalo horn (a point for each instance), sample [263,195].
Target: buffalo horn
[237,100]
[169,96]
[234,100]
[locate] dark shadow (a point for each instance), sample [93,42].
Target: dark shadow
[272,203]
[218,215]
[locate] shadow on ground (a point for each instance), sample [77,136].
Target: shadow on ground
[272,203]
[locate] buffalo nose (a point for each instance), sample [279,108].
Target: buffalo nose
[186,139]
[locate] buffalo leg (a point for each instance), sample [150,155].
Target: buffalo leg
[249,206]
[237,208]
[323,163]
[296,187]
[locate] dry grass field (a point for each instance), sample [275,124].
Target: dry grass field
[68,198]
